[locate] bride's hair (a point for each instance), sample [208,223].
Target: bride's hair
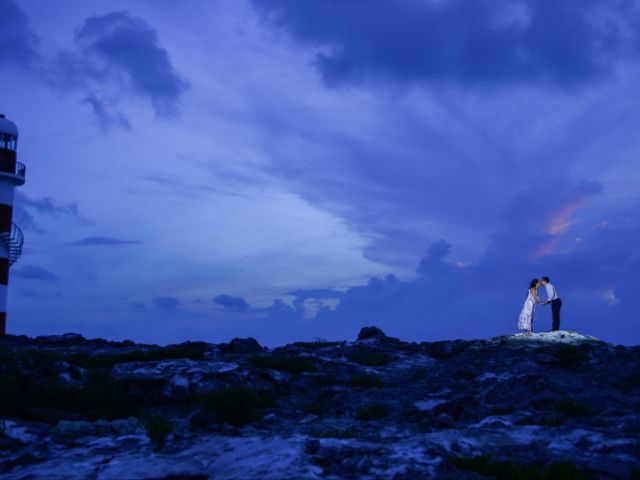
[533,283]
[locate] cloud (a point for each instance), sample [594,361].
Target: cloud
[34,272]
[596,278]
[231,303]
[26,209]
[536,220]
[91,241]
[114,53]
[433,259]
[167,303]
[18,43]
[24,219]
[47,205]
[106,118]
[119,49]
[318,293]
[484,42]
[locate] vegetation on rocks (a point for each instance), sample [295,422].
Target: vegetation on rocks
[237,405]
[284,363]
[158,428]
[545,406]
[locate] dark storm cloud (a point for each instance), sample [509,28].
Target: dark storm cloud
[493,41]
[166,303]
[231,303]
[34,272]
[18,43]
[119,46]
[109,241]
[116,52]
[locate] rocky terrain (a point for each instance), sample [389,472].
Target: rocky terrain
[546,406]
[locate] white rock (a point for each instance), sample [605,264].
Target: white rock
[429,404]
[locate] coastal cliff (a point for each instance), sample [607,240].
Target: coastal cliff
[548,405]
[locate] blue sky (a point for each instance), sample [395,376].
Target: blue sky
[296,170]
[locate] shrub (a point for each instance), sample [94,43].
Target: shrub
[285,363]
[458,408]
[563,471]
[370,358]
[317,344]
[158,429]
[104,397]
[372,411]
[100,397]
[444,350]
[571,357]
[547,420]
[419,373]
[509,470]
[501,410]
[572,408]
[365,380]
[322,404]
[334,432]
[191,350]
[235,405]
[486,466]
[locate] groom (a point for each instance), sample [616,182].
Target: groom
[554,300]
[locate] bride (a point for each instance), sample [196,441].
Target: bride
[525,322]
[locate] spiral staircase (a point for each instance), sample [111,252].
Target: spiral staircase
[12,242]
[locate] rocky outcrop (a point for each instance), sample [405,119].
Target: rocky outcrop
[370,332]
[241,345]
[547,405]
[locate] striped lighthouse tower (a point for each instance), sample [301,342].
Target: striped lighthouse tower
[12,174]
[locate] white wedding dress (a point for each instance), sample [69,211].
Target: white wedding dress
[525,321]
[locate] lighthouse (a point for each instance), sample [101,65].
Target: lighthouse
[12,174]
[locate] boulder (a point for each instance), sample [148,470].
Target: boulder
[69,428]
[241,345]
[128,426]
[370,332]
[270,418]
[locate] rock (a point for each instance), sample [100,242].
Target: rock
[127,426]
[443,420]
[630,423]
[14,431]
[200,418]
[531,400]
[308,419]
[74,429]
[227,429]
[429,404]
[270,417]
[370,332]
[180,382]
[70,374]
[312,445]
[241,345]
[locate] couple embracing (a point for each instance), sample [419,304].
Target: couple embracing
[525,322]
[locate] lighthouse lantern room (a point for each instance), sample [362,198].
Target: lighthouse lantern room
[12,174]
